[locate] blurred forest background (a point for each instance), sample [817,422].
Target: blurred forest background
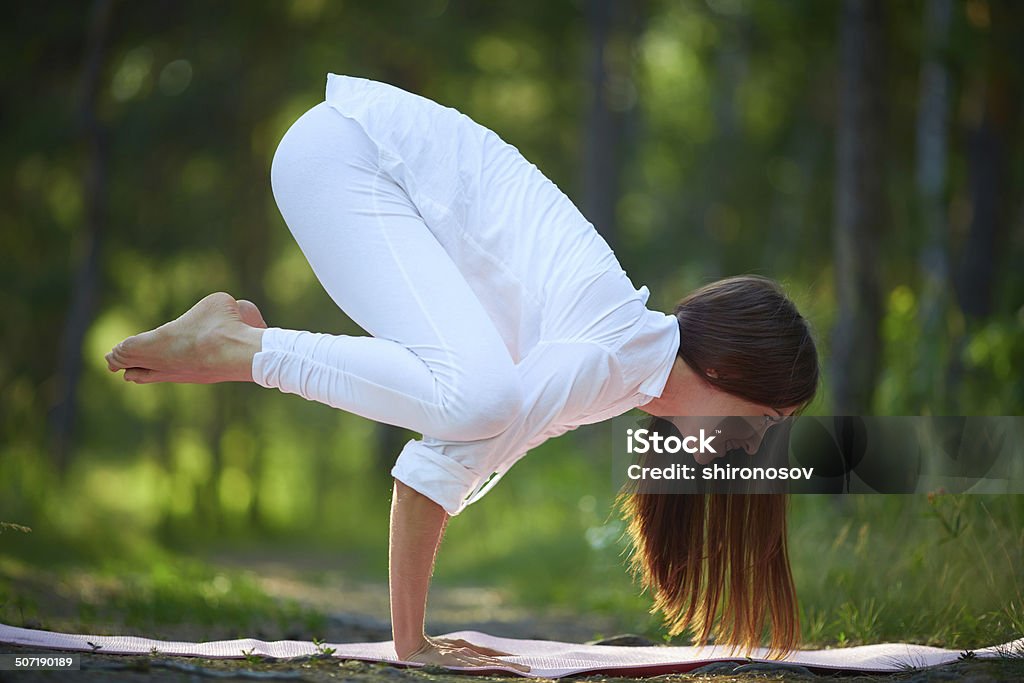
[868,154]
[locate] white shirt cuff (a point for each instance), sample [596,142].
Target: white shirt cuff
[439,478]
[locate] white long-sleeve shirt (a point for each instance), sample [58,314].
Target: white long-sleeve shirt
[568,383]
[585,344]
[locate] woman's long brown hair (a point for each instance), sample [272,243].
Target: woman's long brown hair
[701,554]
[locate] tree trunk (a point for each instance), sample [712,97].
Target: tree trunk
[982,260]
[985,161]
[932,154]
[990,189]
[860,207]
[613,27]
[83,293]
[720,190]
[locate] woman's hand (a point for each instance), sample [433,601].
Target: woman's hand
[458,652]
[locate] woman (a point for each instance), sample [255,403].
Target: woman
[498,318]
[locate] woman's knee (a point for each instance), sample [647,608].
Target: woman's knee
[318,145]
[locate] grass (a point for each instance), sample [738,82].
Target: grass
[942,570]
[165,595]
[896,568]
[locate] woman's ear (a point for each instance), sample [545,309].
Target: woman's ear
[711,372]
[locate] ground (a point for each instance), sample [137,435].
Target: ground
[358,611]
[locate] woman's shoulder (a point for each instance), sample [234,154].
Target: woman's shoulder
[648,355]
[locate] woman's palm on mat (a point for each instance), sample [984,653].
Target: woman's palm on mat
[460,652]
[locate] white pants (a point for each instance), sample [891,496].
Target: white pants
[435,362]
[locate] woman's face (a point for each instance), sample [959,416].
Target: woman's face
[730,431]
[735,422]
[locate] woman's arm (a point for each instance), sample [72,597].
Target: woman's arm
[417,524]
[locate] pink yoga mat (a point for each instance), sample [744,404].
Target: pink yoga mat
[546,658]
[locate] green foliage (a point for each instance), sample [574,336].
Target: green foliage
[971,369]
[876,568]
[727,166]
[322,649]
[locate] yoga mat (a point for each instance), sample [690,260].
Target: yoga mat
[546,658]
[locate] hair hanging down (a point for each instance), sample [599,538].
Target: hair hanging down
[695,551]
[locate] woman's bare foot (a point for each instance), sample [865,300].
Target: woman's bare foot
[214,341]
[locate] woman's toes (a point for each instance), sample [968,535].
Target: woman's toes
[251,314]
[139,375]
[117,359]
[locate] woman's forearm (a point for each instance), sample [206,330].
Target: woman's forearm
[417,524]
